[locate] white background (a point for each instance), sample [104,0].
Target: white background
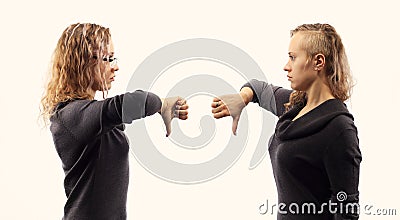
[31,184]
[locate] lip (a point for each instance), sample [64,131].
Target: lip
[112,79]
[289,77]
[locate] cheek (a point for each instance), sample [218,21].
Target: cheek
[97,82]
[106,70]
[299,68]
[296,69]
[100,76]
[103,68]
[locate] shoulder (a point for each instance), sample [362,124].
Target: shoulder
[339,116]
[75,105]
[71,111]
[343,121]
[344,145]
[341,125]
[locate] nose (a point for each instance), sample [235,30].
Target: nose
[115,68]
[287,67]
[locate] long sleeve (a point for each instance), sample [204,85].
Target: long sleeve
[85,120]
[342,164]
[89,138]
[270,97]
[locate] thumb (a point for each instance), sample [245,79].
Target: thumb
[167,120]
[235,123]
[167,123]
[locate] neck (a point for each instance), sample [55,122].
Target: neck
[318,93]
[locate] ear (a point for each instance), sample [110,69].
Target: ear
[319,62]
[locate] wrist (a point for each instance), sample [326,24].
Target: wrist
[247,94]
[162,103]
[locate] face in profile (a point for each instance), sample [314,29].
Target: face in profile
[108,66]
[299,68]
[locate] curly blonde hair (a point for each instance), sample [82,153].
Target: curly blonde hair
[75,70]
[323,38]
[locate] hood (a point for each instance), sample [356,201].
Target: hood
[310,123]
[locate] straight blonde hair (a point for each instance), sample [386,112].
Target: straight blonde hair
[323,38]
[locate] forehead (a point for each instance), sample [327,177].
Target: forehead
[295,43]
[111,46]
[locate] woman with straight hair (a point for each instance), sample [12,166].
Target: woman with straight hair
[314,151]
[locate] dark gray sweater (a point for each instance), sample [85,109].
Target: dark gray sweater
[315,159]
[90,140]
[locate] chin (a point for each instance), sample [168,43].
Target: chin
[298,87]
[109,86]
[294,87]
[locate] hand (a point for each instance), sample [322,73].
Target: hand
[229,105]
[173,107]
[232,105]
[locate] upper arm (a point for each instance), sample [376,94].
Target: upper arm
[87,120]
[281,98]
[342,163]
[268,96]
[90,119]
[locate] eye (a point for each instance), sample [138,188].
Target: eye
[109,59]
[291,58]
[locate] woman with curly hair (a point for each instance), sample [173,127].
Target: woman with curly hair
[314,152]
[89,134]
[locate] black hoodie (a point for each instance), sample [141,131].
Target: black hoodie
[315,158]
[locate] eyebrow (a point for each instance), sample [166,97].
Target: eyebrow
[291,53]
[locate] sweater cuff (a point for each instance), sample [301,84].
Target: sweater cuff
[153,104]
[139,104]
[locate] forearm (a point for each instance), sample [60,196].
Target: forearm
[139,104]
[270,97]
